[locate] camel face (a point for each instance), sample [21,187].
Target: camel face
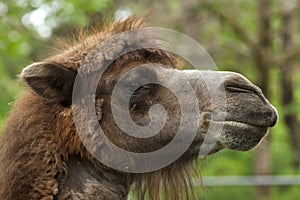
[229,111]
[244,117]
[248,114]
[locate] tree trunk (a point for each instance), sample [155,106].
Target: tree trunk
[286,81]
[262,157]
[189,18]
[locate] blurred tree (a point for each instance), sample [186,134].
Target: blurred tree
[189,18]
[287,69]
[263,156]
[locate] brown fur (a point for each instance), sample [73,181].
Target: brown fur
[42,156]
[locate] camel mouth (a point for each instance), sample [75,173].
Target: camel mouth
[240,124]
[239,136]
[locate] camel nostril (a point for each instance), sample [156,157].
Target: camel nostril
[241,89]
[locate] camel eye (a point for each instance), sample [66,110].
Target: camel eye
[142,95]
[138,86]
[142,89]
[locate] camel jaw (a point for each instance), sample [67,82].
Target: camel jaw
[237,136]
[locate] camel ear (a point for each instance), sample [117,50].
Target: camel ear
[51,81]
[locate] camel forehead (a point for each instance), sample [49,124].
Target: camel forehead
[209,75]
[212,73]
[218,76]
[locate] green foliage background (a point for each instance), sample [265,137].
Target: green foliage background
[22,43]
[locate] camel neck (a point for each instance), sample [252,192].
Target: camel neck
[84,182]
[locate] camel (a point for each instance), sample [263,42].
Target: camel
[42,155]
